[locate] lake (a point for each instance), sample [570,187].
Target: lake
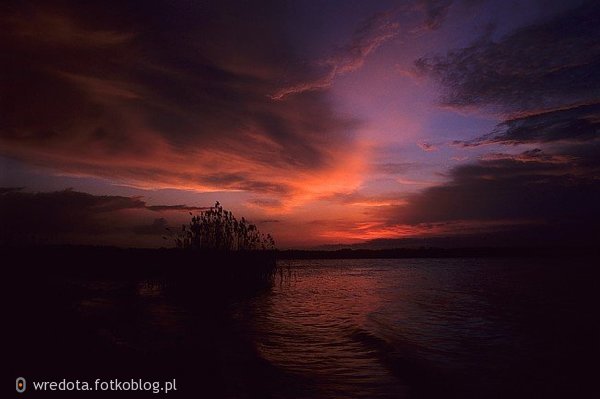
[393,328]
[358,328]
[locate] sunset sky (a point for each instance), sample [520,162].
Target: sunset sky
[324,122]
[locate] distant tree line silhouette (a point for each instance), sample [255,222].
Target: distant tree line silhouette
[217,229]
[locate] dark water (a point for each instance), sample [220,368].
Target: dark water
[431,328]
[379,328]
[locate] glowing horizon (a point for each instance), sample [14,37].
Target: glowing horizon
[324,123]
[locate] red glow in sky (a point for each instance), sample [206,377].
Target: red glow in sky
[324,123]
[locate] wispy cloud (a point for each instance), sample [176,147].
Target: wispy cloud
[576,124]
[115,98]
[548,97]
[539,67]
[427,147]
[393,168]
[371,35]
[535,155]
[435,12]
[46,27]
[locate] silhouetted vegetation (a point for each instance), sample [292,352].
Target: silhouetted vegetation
[233,251]
[218,229]
[183,329]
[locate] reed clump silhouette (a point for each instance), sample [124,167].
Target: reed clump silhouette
[217,229]
[227,249]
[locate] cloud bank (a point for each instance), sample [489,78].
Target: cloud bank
[173,94]
[72,217]
[544,80]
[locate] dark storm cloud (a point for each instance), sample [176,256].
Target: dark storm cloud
[539,67]
[169,93]
[577,124]
[544,79]
[63,201]
[55,215]
[533,188]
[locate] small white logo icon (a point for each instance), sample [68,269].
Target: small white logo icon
[21,384]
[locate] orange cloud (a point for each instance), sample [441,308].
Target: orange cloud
[90,98]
